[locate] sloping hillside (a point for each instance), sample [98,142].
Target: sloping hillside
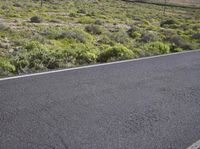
[70,33]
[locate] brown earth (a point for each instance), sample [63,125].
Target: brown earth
[185,2]
[195,3]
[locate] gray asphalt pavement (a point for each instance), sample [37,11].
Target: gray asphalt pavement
[147,104]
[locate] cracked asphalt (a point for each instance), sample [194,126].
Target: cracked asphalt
[146,104]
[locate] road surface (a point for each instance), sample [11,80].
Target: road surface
[151,103]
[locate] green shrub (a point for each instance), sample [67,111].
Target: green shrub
[117,52]
[30,57]
[138,52]
[34,57]
[149,37]
[83,11]
[40,38]
[59,59]
[120,37]
[155,48]
[33,45]
[85,57]
[91,14]
[51,33]
[196,36]
[72,14]
[105,40]
[167,33]
[134,32]
[136,35]
[75,34]
[180,43]
[146,22]
[4,7]
[175,49]
[6,67]
[83,53]
[93,29]
[98,22]
[36,19]
[196,27]
[168,22]
[85,20]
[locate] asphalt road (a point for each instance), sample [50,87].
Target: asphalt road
[146,104]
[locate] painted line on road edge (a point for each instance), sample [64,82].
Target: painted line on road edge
[196,145]
[95,65]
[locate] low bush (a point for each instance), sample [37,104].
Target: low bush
[149,37]
[120,37]
[167,33]
[72,14]
[93,29]
[36,19]
[83,53]
[85,57]
[196,36]
[138,52]
[117,52]
[175,49]
[75,34]
[91,14]
[134,32]
[6,67]
[85,20]
[196,27]
[51,33]
[4,7]
[35,57]
[83,11]
[98,22]
[180,43]
[105,40]
[33,45]
[155,48]
[168,22]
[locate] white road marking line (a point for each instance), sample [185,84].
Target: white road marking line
[95,65]
[196,145]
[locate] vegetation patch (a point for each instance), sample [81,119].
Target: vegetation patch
[93,29]
[75,34]
[36,19]
[155,48]
[117,52]
[63,34]
[168,22]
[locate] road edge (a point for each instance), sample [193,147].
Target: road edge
[196,145]
[95,65]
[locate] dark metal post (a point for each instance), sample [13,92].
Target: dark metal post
[165,7]
[41,3]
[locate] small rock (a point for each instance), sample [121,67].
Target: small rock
[11,50]
[4,45]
